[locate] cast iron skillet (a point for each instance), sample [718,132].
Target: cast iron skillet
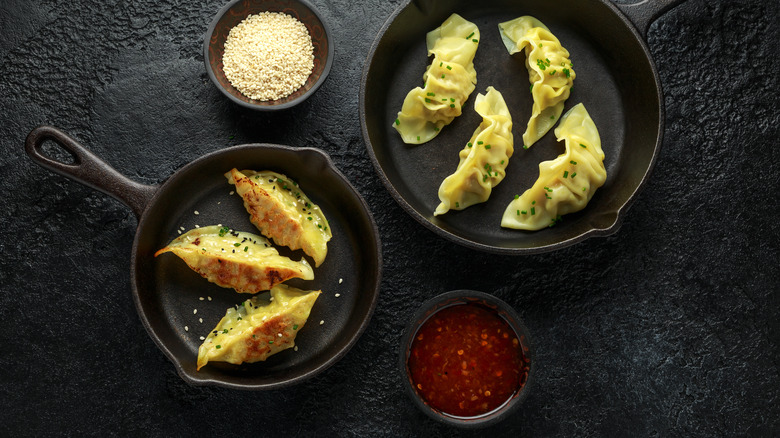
[616,80]
[166,291]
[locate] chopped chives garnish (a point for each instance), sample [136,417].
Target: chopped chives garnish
[479,142]
[470,35]
[442,76]
[552,117]
[427,100]
[518,212]
[457,204]
[452,105]
[583,145]
[487,146]
[475,40]
[452,99]
[469,144]
[533,202]
[517,196]
[533,211]
[449,68]
[524,212]
[440,64]
[295,327]
[532,87]
[218,347]
[397,122]
[270,342]
[436,129]
[431,94]
[565,173]
[502,161]
[525,146]
[574,174]
[418,138]
[573,162]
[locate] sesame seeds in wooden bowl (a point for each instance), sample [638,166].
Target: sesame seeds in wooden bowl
[268,54]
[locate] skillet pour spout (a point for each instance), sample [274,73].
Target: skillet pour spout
[166,291]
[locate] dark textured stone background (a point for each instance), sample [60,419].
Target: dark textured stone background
[669,327]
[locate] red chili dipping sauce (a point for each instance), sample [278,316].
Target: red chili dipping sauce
[466,361]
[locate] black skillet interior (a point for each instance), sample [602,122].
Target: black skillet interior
[616,82]
[168,293]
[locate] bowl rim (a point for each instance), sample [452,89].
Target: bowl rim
[459,297]
[325,71]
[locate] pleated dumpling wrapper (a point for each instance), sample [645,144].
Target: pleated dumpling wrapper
[550,72]
[567,183]
[483,160]
[282,212]
[243,261]
[259,327]
[448,82]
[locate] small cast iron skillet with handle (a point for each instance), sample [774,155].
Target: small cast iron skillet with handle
[616,80]
[167,293]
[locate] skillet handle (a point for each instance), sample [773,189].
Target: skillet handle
[88,169]
[643,13]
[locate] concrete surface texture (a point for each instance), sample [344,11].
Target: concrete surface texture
[670,327]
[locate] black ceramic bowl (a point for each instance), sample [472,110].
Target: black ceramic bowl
[236,11]
[492,304]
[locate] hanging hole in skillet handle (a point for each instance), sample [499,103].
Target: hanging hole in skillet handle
[643,13]
[86,168]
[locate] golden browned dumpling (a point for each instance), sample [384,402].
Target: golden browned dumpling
[282,212]
[243,261]
[259,327]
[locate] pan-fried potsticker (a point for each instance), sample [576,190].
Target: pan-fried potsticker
[281,211]
[243,261]
[259,327]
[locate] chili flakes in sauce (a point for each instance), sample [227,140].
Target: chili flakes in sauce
[466,361]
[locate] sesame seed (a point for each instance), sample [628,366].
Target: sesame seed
[295,348]
[186,329]
[194,311]
[280,335]
[196,212]
[231,192]
[338,295]
[209,298]
[341,280]
[201,298]
[268,56]
[202,338]
[322,322]
[200,320]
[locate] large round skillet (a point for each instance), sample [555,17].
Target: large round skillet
[616,80]
[167,292]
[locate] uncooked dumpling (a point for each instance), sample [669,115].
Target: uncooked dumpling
[483,160]
[567,183]
[448,82]
[550,72]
